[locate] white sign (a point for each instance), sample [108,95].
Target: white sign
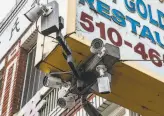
[14,31]
[135,26]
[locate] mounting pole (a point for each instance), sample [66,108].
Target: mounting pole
[67,50]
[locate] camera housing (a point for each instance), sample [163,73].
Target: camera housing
[50,22]
[96,46]
[34,13]
[66,102]
[65,98]
[52,82]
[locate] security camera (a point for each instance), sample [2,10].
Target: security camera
[66,102]
[50,21]
[104,81]
[96,45]
[104,85]
[65,98]
[51,81]
[36,11]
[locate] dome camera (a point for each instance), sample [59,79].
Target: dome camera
[96,45]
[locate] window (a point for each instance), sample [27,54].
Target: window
[33,79]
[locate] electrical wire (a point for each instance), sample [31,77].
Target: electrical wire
[62,71]
[41,33]
[126,60]
[54,66]
[67,35]
[69,72]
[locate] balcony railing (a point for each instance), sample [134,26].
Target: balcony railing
[96,102]
[51,103]
[51,108]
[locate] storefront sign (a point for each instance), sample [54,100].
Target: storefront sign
[135,26]
[15,29]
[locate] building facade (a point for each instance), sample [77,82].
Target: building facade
[21,84]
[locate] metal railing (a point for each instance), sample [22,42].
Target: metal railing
[96,102]
[51,108]
[51,103]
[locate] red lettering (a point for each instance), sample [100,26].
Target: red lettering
[87,22]
[119,38]
[102,30]
[140,49]
[155,57]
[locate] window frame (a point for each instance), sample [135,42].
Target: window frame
[30,89]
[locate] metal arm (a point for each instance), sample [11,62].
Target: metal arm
[89,108]
[68,53]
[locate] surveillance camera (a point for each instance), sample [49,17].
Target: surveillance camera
[63,91]
[104,84]
[67,101]
[104,80]
[96,45]
[34,13]
[51,81]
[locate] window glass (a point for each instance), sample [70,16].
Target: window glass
[33,78]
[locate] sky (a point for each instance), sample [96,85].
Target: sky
[5,7]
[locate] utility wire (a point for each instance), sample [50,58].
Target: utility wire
[41,33]
[138,60]
[67,35]
[69,72]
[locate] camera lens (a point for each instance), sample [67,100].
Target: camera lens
[98,43]
[61,102]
